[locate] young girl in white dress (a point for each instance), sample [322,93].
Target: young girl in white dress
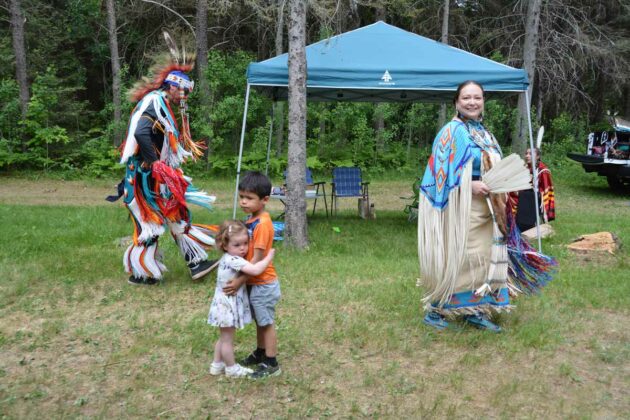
[231,312]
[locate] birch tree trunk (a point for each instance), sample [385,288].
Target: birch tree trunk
[201,49]
[381,13]
[379,129]
[321,135]
[115,61]
[444,39]
[521,132]
[539,107]
[409,139]
[201,42]
[379,108]
[279,106]
[19,49]
[296,228]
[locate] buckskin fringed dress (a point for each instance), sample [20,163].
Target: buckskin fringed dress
[456,231]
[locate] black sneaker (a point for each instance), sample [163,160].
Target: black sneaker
[139,281]
[202,268]
[251,360]
[264,371]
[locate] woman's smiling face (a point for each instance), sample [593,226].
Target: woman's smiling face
[470,102]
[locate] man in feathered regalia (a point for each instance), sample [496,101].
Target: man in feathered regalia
[523,203]
[156,192]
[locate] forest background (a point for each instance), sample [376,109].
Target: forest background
[67,123]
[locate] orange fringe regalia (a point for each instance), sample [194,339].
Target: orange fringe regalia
[156,192]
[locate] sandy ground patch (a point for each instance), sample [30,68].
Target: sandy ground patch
[385,195]
[55,192]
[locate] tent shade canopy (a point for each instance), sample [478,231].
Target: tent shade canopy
[383,63]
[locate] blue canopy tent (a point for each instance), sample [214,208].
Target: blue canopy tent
[382,63]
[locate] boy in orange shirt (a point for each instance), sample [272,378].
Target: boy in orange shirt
[264,289]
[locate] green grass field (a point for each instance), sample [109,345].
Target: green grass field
[78,341]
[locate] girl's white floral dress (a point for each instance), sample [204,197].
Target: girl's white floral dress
[229,311]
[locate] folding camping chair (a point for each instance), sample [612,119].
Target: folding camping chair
[411,210]
[314,190]
[347,182]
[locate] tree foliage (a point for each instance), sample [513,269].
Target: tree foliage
[582,70]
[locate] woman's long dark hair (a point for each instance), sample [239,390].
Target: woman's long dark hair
[458,92]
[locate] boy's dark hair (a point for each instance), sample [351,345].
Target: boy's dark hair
[255,182]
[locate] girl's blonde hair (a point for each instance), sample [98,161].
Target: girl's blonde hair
[227,230]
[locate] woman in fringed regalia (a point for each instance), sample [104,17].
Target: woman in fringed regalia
[156,192]
[463,228]
[456,227]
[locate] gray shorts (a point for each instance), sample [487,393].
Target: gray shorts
[263,299]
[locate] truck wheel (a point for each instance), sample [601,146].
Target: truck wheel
[616,184]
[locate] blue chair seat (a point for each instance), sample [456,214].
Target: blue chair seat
[316,190]
[348,182]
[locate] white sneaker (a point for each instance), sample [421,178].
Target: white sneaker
[237,371]
[217,368]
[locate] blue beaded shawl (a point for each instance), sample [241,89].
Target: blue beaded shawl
[453,147]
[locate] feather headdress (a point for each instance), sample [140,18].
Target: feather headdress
[169,69]
[163,65]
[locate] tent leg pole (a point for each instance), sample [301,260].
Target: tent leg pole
[273,106]
[240,152]
[534,169]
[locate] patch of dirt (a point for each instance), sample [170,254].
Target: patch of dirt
[384,195]
[55,192]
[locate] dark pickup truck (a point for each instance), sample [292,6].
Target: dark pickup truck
[608,154]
